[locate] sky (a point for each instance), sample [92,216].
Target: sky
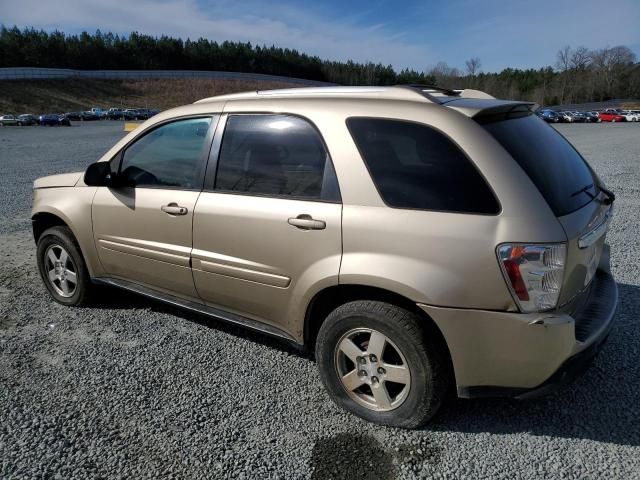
[408,33]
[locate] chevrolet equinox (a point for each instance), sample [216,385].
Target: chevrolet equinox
[421,240]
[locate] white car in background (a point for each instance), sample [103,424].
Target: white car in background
[566,117]
[631,115]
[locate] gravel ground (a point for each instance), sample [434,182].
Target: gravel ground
[131,388]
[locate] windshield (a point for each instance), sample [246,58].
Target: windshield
[553,165]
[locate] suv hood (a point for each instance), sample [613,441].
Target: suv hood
[62,180]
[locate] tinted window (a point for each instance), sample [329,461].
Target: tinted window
[554,166]
[171,155]
[414,166]
[276,155]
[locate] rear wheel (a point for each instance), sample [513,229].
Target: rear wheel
[377,361]
[62,267]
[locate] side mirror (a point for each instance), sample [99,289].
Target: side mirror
[98,174]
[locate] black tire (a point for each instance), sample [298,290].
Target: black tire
[62,236]
[423,353]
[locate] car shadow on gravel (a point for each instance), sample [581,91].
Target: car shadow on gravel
[602,405]
[348,456]
[118,299]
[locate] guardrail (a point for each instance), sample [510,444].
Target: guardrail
[33,73]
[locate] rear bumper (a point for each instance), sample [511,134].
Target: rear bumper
[526,355]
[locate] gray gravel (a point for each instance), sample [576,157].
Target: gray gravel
[134,389]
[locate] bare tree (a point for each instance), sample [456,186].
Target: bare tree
[563,61]
[445,75]
[580,59]
[473,66]
[609,65]
[563,58]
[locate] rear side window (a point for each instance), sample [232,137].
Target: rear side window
[275,155]
[416,167]
[558,171]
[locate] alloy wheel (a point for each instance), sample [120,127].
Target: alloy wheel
[61,270]
[372,369]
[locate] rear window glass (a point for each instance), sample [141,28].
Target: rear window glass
[416,167]
[553,165]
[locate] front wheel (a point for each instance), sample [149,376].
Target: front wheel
[379,362]
[62,267]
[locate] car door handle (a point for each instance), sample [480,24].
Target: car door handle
[306,222]
[174,209]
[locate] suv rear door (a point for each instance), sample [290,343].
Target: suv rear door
[267,228]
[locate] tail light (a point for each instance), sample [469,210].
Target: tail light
[533,273]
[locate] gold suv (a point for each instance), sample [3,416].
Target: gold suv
[420,239]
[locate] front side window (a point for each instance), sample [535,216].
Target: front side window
[275,155]
[171,155]
[416,167]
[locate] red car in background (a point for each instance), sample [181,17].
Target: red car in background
[611,116]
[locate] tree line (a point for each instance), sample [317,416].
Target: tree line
[106,51]
[579,75]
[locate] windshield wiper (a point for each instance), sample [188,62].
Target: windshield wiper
[584,189]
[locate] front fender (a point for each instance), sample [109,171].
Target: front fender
[73,207]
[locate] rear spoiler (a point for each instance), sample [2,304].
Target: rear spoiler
[486,109]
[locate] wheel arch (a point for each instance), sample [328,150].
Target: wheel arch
[42,221]
[45,219]
[330,298]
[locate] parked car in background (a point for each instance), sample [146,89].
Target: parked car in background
[54,120]
[592,117]
[566,117]
[8,120]
[130,114]
[89,116]
[97,111]
[630,116]
[27,119]
[114,114]
[76,116]
[611,115]
[578,117]
[146,113]
[415,254]
[143,114]
[550,116]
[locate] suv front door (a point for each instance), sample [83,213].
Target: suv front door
[143,231]
[267,228]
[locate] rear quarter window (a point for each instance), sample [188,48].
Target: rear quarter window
[414,166]
[558,171]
